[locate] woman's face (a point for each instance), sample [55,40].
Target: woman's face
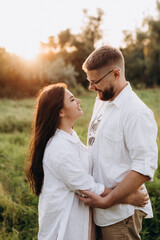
[71,109]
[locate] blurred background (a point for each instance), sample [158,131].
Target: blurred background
[47,41]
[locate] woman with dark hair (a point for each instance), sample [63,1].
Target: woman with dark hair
[59,167]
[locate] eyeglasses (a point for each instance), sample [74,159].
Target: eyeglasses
[92,81]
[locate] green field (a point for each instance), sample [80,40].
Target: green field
[18,206]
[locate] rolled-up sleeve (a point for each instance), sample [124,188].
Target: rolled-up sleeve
[76,177]
[140,136]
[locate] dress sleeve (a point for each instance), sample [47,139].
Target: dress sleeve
[140,138]
[75,176]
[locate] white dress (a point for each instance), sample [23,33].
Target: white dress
[66,163]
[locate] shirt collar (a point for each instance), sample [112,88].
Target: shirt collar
[72,138]
[118,101]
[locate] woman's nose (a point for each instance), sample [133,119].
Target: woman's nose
[78,100]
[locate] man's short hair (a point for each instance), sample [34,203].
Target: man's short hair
[103,56]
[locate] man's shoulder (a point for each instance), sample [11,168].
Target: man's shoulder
[134,108]
[133,103]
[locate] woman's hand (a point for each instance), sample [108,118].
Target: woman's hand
[138,198]
[91,199]
[106,192]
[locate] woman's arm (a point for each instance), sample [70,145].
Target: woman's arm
[75,176]
[138,198]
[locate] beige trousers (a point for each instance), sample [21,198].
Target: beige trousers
[128,229]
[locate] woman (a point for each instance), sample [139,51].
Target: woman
[60,166]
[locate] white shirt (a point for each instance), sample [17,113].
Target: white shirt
[125,140]
[62,216]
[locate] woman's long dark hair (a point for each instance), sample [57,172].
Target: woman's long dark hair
[50,101]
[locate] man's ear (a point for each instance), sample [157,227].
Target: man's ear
[61,113]
[116,73]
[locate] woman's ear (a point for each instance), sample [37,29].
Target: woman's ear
[61,114]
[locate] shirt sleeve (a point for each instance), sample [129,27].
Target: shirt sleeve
[140,138]
[76,177]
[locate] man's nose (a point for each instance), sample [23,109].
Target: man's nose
[92,86]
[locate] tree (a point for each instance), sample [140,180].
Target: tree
[152,52]
[82,44]
[142,53]
[58,71]
[91,31]
[61,59]
[65,38]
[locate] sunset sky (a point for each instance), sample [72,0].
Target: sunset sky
[24,23]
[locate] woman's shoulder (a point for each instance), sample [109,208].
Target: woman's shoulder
[58,149]
[61,143]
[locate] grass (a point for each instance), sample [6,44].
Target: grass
[18,206]
[16,115]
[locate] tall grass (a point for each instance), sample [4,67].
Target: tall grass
[16,115]
[18,206]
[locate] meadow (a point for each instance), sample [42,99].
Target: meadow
[18,206]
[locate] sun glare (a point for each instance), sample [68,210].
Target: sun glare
[24,24]
[28,52]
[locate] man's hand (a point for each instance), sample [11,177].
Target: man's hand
[138,198]
[92,199]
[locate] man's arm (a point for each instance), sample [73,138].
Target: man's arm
[128,185]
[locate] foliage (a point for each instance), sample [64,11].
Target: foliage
[18,78]
[62,56]
[142,53]
[82,44]
[60,60]
[58,71]
[91,31]
[151,227]
[18,206]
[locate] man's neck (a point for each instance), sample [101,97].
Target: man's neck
[120,88]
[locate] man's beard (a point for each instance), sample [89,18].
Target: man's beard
[106,94]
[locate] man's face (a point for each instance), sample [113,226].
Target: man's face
[105,88]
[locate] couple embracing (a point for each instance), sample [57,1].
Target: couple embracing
[106,178]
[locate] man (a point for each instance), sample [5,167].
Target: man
[122,141]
